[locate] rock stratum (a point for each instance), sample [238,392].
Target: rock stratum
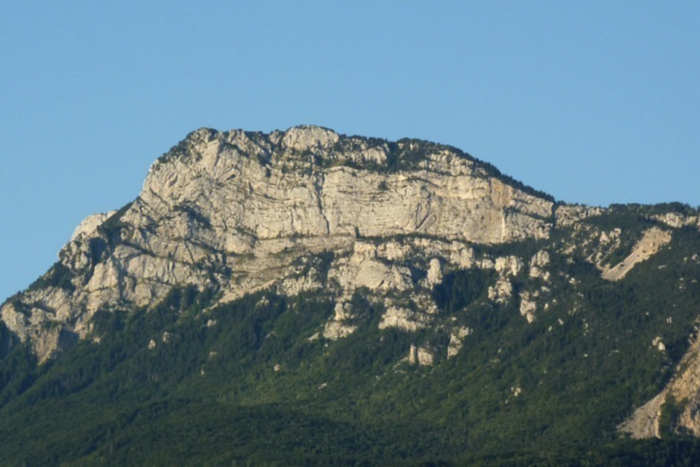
[474,267]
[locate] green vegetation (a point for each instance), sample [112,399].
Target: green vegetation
[58,276]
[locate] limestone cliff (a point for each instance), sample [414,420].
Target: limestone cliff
[238,211]
[681,395]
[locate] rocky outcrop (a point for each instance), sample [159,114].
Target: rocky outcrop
[420,356]
[566,215]
[652,241]
[527,306]
[404,319]
[677,220]
[502,291]
[683,392]
[538,265]
[88,226]
[456,341]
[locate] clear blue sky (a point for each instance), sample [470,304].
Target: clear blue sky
[595,102]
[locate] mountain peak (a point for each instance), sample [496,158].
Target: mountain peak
[218,199]
[320,267]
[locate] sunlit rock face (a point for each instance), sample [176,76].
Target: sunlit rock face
[239,212]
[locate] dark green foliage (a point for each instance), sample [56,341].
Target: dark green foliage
[653,209]
[58,276]
[461,288]
[670,410]
[17,370]
[6,340]
[405,154]
[626,220]
[621,453]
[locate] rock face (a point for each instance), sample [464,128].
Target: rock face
[649,245]
[420,356]
[683,392]
[241,212]
[88,226]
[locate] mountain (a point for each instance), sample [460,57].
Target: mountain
[305,297]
